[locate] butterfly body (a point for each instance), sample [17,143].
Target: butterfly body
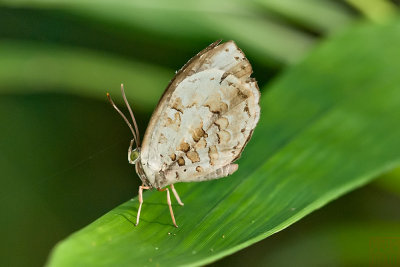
[202,123]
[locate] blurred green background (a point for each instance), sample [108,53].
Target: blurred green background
[63,149]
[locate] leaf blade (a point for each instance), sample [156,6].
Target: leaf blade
[321,135]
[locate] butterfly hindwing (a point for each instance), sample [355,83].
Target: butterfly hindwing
[204,119]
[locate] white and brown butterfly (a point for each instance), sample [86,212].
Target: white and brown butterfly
[201,124]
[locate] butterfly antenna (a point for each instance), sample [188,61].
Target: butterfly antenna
[123,116]
[132,116]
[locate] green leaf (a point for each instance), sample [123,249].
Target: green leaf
[328,126]
[359,229]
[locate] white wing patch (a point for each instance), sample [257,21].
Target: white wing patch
[206,121]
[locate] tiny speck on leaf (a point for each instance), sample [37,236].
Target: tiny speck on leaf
[223,236]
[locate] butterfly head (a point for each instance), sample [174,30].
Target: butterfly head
[133,154]
[134,158]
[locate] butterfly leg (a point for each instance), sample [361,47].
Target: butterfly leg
[140,202]
[176,195]
[169,205]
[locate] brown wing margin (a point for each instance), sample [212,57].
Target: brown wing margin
[181,70]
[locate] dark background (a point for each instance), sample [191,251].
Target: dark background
[59,135]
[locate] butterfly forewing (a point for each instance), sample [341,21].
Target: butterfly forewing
[204,119]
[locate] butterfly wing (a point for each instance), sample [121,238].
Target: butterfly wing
[204,119]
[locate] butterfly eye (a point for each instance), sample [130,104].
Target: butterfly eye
[133,156]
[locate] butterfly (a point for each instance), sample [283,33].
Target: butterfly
[201,124]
